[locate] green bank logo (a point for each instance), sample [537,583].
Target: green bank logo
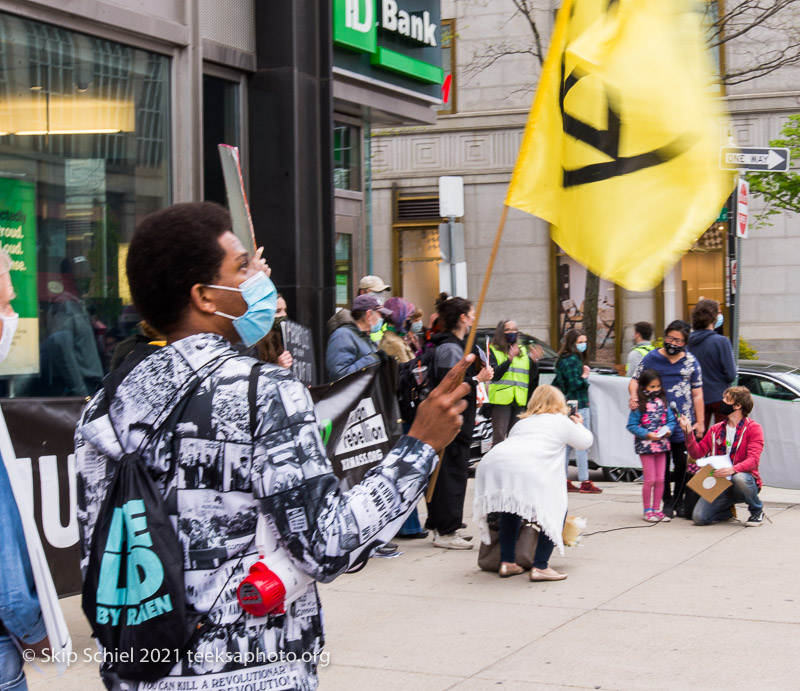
[355,26]
[129,542]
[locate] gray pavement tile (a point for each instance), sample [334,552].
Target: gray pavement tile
[764,547]
[452,577]
[628,592]
[430,634]
[770,595]
[513,684]
[632,651]
[347,677]
[487,685]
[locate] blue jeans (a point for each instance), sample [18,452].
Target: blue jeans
[744,489]
[412,526]
[11,676]
[581,456]
[509,531]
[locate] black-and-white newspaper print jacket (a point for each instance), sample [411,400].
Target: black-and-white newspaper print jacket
[225,476]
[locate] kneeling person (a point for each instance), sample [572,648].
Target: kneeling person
[740,438]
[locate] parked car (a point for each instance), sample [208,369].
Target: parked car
[770,379]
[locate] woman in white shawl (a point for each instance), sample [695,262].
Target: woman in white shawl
[523,477]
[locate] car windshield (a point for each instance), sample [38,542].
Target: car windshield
[792,379]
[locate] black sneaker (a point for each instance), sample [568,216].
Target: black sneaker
[668,511]
[755,519]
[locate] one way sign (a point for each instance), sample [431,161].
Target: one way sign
[767,159]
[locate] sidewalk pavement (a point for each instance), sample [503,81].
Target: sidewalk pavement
[676,607]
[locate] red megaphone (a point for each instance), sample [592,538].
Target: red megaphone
[261,592]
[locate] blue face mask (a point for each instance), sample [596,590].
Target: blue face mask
[581,347]
[416,327]
[261,297]
[511,337]
[377,327]
[720,320]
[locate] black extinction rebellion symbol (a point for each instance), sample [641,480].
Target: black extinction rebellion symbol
[607,141]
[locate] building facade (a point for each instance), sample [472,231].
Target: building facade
[477,135]
[111,110]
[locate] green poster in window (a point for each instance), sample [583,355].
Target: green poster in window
[18,238]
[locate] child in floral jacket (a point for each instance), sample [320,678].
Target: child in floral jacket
[651,424]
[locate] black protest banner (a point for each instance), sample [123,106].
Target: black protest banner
[360,421]
[360,424]
[299,341]
[41,431]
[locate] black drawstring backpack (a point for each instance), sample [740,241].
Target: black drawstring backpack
[133,591]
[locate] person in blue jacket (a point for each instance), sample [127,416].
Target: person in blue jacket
[715,355]
[350,347]
[21,623]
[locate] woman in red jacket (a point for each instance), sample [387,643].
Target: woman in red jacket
[742,440]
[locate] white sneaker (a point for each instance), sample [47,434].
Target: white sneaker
[451,541]
[463,534]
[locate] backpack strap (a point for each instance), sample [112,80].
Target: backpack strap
[252,391]
[181,394]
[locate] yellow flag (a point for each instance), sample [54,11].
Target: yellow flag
[621,150]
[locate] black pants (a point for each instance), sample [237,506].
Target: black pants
[446,510]
[504,417]
[672,495]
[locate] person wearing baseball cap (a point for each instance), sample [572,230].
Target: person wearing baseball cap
[368,284]
[372,284]
[350,347]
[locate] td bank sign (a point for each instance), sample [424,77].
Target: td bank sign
[358,26]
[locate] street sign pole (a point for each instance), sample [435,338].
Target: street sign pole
[731,267]
[453,283]
[734,267]
[742,159]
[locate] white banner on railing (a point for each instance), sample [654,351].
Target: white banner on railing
[613,444]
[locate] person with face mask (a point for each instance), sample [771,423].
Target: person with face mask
[393,341]
[572,377]
[742,440]
[270,348]
[683,383]
[415,335]
[351,347]
[715,355]
[446,508]
[21,623]
[651,426]
[516,376]
[192,279]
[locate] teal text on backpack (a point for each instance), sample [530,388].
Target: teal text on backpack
[129,543]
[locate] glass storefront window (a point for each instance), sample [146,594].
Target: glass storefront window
[84,156]
[344,269]
[346,157]
[220,126]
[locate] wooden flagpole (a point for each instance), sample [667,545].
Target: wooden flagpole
[474,330]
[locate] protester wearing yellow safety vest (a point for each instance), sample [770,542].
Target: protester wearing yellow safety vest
[516,375]
[642,333]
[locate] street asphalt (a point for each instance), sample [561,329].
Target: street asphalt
[659,606]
